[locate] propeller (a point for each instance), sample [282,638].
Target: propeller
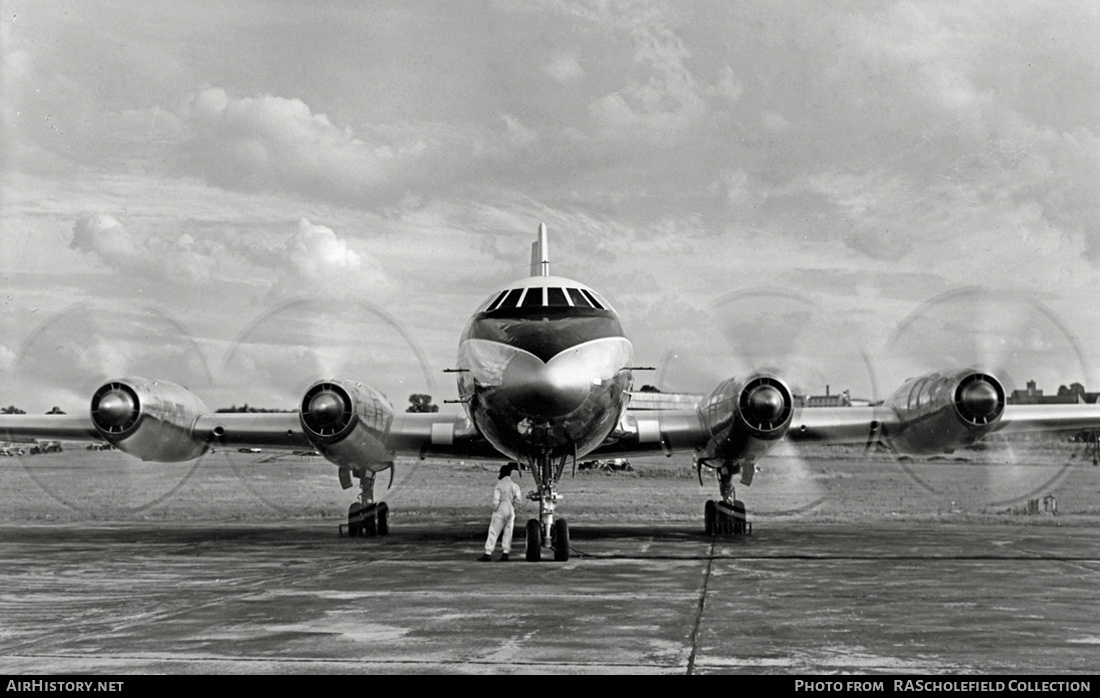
[1008,335]
[289,346]
[788,335]
[74,352]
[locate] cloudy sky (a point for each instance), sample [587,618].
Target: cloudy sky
[243,196]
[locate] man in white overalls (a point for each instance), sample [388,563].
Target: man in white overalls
[506,495]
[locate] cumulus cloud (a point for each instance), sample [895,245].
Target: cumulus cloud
[182,259]
[316,261]
[105,236]
[311,260]
[666,102]
[564,68]
[7,359]
[279,144]
[660,96]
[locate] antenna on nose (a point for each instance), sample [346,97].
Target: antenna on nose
[540,254]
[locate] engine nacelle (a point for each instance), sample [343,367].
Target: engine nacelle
[152,420]
[743,418]
[940,412]
[348,423]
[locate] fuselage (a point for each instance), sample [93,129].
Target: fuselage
[544,368]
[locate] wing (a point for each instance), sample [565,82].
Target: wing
[349,423]
[408,434]
[61,427]
[1072,417]
[740,420]
[671,431]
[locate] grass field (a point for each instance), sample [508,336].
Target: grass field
[835,483]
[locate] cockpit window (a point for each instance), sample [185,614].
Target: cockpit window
[555,297]
[578,300]
[492,301]
[510,300]
[533,299]
[592,297]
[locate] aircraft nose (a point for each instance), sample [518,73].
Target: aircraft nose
[544,391]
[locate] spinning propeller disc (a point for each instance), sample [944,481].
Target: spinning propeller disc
[1012,336]
[74,352]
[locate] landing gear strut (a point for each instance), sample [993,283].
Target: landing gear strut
[367,517]
[1092,447]
[726,516]
[546,531]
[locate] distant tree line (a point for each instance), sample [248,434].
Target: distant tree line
[1072,389]
[249,408]
[419,402]
[12,409]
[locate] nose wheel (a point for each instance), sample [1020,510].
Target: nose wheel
[536,540]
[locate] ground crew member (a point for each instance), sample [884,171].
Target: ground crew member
[505,496]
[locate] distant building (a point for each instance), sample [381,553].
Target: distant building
[1034,396]
[650,400]
[829,400]
[641,400]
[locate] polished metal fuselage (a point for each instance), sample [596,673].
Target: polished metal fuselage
[545,381]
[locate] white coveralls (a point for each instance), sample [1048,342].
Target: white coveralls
[505,496]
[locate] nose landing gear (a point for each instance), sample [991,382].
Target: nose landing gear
[546,531]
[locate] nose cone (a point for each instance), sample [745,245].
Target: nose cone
[980,399]
[116,408]
[765,403]
[326,408]
[544,391]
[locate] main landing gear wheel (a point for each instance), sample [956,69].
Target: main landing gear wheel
[383,519]
[725,519]
[739,518]
[362,521]
[560,540]
[710,518]
[534,540]
[369,525]
[353,520]
[721,518]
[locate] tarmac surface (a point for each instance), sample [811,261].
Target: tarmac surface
[795,597]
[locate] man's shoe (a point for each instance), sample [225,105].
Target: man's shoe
[485,558]
[504,558]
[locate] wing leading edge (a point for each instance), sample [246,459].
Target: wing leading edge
[672,431]
[408,434]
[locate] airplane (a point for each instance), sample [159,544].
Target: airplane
[545,372]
